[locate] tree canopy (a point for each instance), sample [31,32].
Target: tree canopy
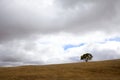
[86,57]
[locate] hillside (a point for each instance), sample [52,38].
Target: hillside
[102,70]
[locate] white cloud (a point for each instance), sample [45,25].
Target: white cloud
[49,49]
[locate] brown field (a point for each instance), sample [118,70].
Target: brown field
[102,70]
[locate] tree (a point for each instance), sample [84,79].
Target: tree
[86,57]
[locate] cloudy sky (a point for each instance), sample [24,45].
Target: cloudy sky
[38,32]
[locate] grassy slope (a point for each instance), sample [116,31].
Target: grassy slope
[104,70]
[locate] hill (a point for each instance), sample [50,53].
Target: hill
[101,70]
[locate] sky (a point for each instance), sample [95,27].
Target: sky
[42,32]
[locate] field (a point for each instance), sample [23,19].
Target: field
[101,70]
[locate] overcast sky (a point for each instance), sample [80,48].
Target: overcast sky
[38,32]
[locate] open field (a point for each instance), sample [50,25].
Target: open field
[102,70]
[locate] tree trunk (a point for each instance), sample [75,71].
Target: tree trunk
[86,60]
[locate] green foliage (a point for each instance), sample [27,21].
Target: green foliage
[86,57]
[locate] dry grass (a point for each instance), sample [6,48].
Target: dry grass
[104,70]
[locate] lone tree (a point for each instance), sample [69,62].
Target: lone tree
[86,57]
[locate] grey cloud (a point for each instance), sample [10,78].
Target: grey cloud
[89,15]
[24,17]
[92,14]
[18,18]
[15,54]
